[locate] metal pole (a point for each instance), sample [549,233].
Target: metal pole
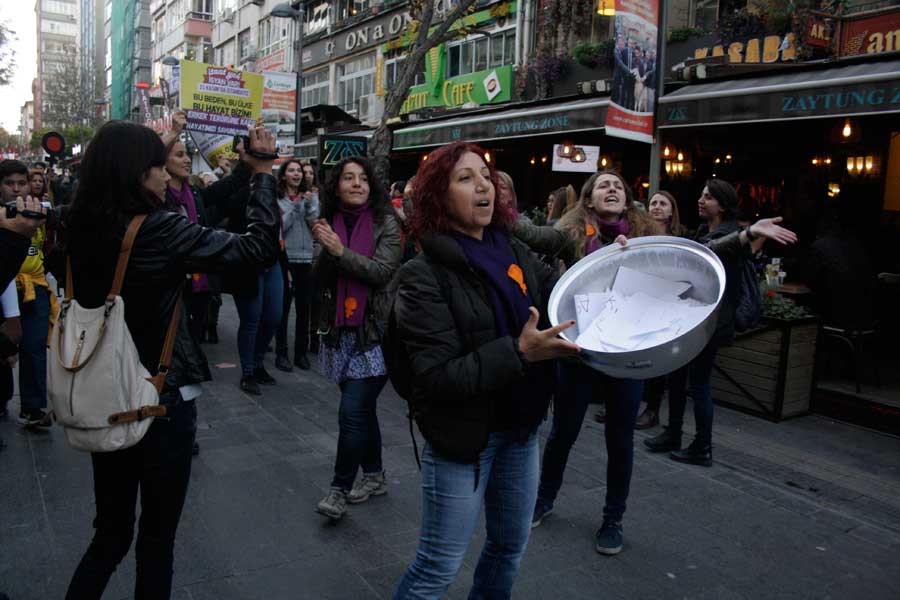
[655,152]
[298,100]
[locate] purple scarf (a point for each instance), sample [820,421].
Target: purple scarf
[492,257]
[608,231]
[183,200]
[352,294]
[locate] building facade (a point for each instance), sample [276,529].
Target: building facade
[26,122]
[130,55]
[57,40]
[92,51]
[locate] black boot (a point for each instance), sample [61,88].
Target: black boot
[667,441]
[698,453]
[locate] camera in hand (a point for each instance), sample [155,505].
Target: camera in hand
[12,210]
[237,140]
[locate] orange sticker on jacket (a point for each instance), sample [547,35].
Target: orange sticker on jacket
[589,230]
[350,306]
[515,273]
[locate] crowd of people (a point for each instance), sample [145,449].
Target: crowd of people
[438,284]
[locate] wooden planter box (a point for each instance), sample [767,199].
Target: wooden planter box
[768,371]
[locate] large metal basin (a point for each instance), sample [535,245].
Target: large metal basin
[669,257]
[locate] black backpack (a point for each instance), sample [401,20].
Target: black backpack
[750,305]
[397,358]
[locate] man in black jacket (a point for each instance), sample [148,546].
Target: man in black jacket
[15,239]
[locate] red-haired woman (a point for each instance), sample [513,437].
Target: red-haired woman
[467,311]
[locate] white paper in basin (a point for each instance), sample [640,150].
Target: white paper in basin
[629,282]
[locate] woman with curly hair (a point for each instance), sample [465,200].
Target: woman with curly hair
[605,214]
[357,255]
[467,313]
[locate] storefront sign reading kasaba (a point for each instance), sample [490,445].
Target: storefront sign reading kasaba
[630,113]
[220,103]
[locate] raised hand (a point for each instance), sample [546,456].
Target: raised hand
[769,229]
[325,235]
[537,345]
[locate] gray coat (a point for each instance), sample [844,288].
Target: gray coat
[297,220]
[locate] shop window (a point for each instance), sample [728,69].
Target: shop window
[482,53]
[244,44]
[316,17]
[392,70]
[356,78]
[315,88]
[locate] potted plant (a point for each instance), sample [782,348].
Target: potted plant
[769,370]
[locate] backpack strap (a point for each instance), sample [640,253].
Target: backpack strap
[124,255]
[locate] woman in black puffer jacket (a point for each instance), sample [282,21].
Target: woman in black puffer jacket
[466,312]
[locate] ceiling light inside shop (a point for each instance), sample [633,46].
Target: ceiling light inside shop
[666,151]
[607,8]
[847,131]
[487,157]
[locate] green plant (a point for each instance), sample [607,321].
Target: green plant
[742,23]
[538,215]
[683,34]
[592,55]
[776,306]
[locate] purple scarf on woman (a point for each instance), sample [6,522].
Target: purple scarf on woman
[352,294]
[608,231]
[183,199]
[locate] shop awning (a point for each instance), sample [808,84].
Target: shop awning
[849,90]
[563,117]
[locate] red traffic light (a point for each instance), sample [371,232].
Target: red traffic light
[53,143]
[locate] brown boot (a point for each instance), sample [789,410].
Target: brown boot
[646,420]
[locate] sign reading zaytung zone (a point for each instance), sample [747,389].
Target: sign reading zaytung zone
[219,100]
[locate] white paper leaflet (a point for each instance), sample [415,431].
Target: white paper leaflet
[640,311]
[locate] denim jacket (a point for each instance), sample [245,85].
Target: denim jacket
[297,220]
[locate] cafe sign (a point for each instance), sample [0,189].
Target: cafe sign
[871,34]
[482,87]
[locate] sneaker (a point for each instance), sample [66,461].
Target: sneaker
[262,376]
[34,418]
[301,362]
[609,538]
[664,442]
[250,386]
[542,509]
[647,420]
[368,485]
[282,363]
[697,453]
[333,505]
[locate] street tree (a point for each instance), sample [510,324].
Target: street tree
[7,54]
[424,35]
[65,103]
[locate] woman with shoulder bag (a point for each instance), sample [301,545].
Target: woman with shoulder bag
[357,256]
[717,205]
[467,312]
[123,176]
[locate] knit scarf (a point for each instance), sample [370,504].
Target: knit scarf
[593,239]
[183,201]
[492,258]
[353,294]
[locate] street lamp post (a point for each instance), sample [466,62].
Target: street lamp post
[286,11]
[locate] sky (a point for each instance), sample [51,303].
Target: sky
[19,16]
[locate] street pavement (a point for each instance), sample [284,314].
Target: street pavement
[808,508]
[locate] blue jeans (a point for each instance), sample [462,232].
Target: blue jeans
[260,316]
[694,379]
[359,440]
[33,351]
[578,385]
[451,505]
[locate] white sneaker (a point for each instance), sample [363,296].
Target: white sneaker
[333,505]
[369,485]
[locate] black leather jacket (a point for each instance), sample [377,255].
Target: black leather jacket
[168,247]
